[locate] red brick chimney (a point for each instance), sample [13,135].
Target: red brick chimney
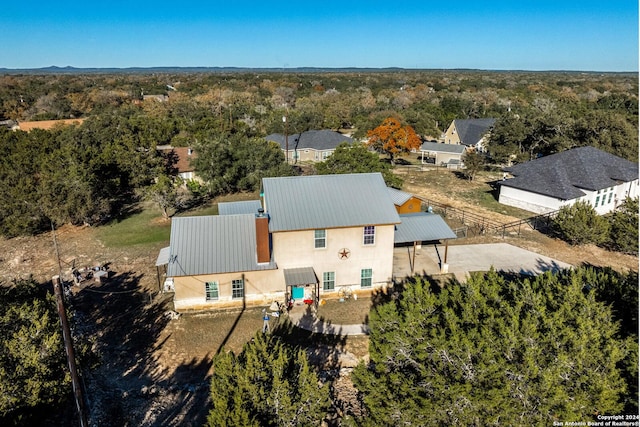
[263,247]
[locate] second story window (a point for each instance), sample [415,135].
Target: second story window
[369,235]
[320,239]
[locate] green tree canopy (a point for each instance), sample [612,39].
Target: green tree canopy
[356,158]
[579,224]
[235,163]
[33,370]
[268,384]
[492,351]
[624,227]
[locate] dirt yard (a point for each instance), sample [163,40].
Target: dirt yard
[151,368]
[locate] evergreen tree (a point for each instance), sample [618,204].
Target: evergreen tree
[579,224]
[492,352]
[356,158]
[33,373]
[624,227]
[268,384]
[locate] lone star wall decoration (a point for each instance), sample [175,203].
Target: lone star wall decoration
[344,253]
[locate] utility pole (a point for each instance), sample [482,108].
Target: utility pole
[286,138]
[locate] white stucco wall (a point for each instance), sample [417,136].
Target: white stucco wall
[297,249]
[603,201]
[260,287]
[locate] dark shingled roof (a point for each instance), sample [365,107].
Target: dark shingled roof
[470,131]
[564,174]
[315,139]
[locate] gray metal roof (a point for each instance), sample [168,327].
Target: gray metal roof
[399,197]
[328,201]
[563,175]
[470,131]
[214,244]
[299,276]
[442,148]
[235,208]
[315,139]
[422,227]
[163,257]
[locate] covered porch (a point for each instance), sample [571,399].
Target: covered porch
[302,286]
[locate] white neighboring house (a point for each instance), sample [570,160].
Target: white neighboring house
[586,173]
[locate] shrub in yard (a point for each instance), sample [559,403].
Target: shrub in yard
[579,224]
[624,227]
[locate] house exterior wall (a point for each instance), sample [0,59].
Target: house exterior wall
[528,201]
[451,135]
[308,155]
[410,206]
[603,201]
[260,287]
[441,158]
[295,249]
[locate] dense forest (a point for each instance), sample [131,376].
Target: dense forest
[83,174]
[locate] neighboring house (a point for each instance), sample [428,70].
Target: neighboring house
[309,236]
[472,133]
[179,160]
[309,146]
[404,202]
[47,124]
[442,154]
[548,183]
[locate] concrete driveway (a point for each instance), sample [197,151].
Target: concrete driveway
[462,259]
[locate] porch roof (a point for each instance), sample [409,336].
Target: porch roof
[299,276]
[422,227]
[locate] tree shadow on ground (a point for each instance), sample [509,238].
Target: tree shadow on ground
[322,348]
[125,383]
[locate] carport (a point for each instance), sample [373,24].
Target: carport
[423,227]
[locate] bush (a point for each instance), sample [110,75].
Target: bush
[579,224]
[624,228]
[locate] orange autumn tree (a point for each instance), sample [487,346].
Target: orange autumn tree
[393,139]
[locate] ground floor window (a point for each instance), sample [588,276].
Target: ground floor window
[328,280]
[237,288]
[211,291]
[366,275]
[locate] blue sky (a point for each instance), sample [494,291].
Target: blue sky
[504,35]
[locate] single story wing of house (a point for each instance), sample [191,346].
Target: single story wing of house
[311,146]
[309,236]
[585,173]
[442,154]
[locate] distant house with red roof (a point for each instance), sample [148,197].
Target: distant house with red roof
[179,160]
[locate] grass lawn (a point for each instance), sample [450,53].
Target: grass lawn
[143,226]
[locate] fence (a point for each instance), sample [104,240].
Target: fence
[475,225]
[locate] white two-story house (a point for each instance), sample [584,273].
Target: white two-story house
[308,236]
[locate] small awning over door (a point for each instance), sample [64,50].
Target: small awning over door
[300,276]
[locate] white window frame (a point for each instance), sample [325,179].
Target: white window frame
[320,239]
[209,289]
[366,278]
[235,288]
[369,235]
[329,281]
